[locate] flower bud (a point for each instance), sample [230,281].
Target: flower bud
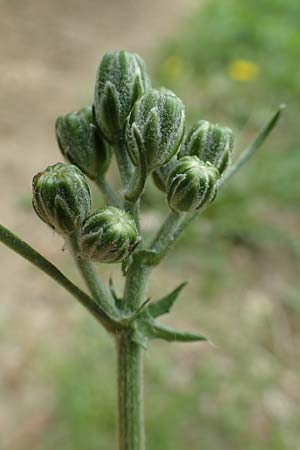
[160,175]
[109,235]
[191,184]
[121,80]
[211,143]
[80,143]
[155,128]
[61,197]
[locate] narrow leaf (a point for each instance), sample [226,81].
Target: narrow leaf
[254,146]
[164,305]
[159,331]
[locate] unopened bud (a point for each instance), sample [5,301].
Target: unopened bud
[155,128]
[192,184]
[109,235]
[121,80]
[211,143]
[61,197]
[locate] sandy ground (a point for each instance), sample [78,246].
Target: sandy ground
[49,54]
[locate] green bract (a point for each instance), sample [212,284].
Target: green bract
[155,128]
[109,235]
[192,184]
[121,80]
[211,143]
[61,197]
[81,144]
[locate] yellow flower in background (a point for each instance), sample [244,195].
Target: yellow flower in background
[173,67]
[243,70]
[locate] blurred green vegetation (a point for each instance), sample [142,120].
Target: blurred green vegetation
[232,62]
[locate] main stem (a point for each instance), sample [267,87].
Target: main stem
[130,394]
[130,367]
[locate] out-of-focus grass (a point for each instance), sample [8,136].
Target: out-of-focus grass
[233,62]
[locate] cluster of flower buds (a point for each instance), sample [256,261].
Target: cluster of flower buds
[210,142]
[62,199]
[190,179]
[151,123]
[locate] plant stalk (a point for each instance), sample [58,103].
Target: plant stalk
[123,162]
[130,394]
[30,254]
[98,290]
[109,195]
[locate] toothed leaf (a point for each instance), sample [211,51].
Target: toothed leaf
[164,305]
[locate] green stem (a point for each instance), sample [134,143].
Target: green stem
[135,286]
[123,162]
[26,251]
[109,195]
[130,394]
[99,292]
[165,236]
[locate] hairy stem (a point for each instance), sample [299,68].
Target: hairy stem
[109,195]
[135,286]
[130,394]
[166,234]
[26,251]
[99,292]
[123,162]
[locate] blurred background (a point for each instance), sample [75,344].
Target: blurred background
[232,62]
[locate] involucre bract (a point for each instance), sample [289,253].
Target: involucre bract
[121,80]
[192,184]
[109,235]
[210,142]
[155,128]
[61,197]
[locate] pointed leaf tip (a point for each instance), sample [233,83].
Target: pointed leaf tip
[164,305]
[160,331]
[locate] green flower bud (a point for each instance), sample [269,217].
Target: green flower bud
[155,128]
[61,197]
[121,80]
[109,235]
[160,175]
[80,143]
[211,143]
[191,184]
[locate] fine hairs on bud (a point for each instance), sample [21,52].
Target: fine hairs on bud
[61,197]
[109,235]
[192,184]
[121,79]
[155,128]
[211,143]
